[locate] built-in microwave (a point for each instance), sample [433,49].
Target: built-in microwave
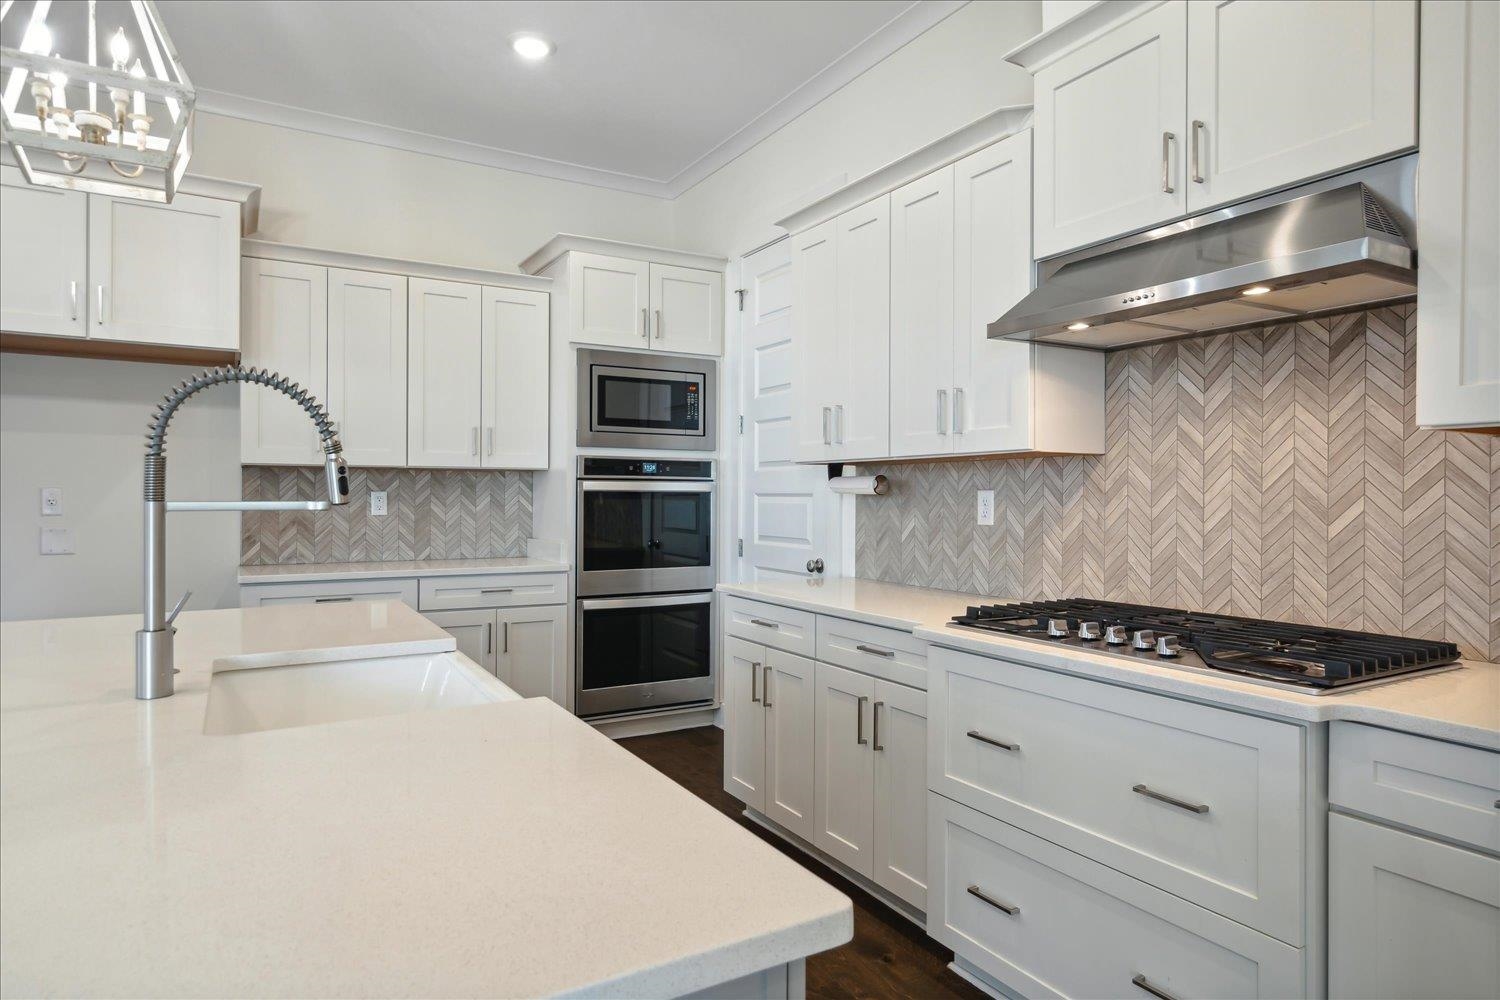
[640,400]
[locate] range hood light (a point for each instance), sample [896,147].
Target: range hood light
[1255,290]
[1078,326]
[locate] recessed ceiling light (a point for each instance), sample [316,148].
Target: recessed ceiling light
[1255,290]
[529,46]
[1078,326]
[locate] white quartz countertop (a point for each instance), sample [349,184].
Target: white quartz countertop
[499,850]
[1461,704]
[323,572]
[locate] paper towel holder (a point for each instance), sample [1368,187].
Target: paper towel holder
[877,486]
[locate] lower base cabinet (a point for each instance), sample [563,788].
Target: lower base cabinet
[768,732]
[1409,917]
[524,647]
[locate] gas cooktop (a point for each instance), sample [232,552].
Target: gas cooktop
[1316,660]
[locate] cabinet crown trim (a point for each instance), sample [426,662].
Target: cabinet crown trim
[979,133]
[268,250]
[563,243]
[242,193]
[1042,50]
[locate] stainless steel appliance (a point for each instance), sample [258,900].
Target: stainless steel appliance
[1315,660]
[1334,244]
[640,400]
[645,584]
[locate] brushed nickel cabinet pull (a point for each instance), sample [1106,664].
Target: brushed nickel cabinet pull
[489,637]
[827,411]
[658,324]
[1143,983]
[1167,138]
[976,735]
[980,895]
[838,423]
[765,686]
[73,298]
[505,637]
[1192,807]
[958,410]
[876,651]
[645,325]
[100,296]
[859,721]
[498,590]
[489,440]
[1197,164]
[754,673]
[331,600]
[942,411]
[764,624]
[474,439]
[875,725]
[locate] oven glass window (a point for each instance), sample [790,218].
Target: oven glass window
[642,645]
[682,534]
[623,402]
[617,531]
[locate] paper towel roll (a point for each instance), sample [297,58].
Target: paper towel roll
[868,486]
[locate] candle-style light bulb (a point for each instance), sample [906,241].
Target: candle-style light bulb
[119,48]
[59,90]
[139,73]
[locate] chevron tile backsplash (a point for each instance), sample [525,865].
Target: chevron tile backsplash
[433,514]
[1275,473]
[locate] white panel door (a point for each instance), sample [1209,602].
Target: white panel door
[514,394]
[1458,218]
[443,374]
[786,514]
[844,779]
[921,354]
[473,630]
[744,722]
[367,365]
[992,406]
[609,300]
[815,349]
[165,274]
[788,693]
[43,258]
[1281,92]
[531,650]
[1409,917]
[687,310]
[1110,130]
[862,408]
[898,737]
[286,331]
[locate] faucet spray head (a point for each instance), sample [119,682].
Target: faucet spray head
[336,472]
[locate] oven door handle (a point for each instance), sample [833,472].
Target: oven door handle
[663,601]
[645,486]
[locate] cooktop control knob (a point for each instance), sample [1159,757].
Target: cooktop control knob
[1057,628]
[1115,635]
[1088,631]
[1143,639]
[1167,646]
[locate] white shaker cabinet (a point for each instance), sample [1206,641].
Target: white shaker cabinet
[687,309]
[530,650]
[165,274]
[474,631]
[513,400]
[43,258]
[898,740]
[744,722]
[443,366]
[367,317]
[844,815]
[768,732]
[1458,217]
[815,339]
[1109,133]
[921,321]
[861,410]
[609,300]
[285,330]
[1279,92]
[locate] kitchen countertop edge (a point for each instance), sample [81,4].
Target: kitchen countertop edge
[330,572]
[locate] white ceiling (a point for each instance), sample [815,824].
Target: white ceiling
[643,96]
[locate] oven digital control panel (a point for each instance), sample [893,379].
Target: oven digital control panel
[644,468]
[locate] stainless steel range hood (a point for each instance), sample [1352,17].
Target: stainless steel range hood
[1336,244]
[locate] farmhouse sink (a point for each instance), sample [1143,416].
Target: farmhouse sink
[253,699]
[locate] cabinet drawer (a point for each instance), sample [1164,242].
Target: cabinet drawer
[497,590]
[1048,923]
[1202,802]
[329,592]
[873,649]
[1441,788]
[784,628]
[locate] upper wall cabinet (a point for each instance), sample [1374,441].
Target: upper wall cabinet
[116,270]
[367,320]
[286,330]
[1199,103]
[1458,217]
[634,297]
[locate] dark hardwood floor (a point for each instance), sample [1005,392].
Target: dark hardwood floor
[889,956]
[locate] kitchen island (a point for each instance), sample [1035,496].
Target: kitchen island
[503,849]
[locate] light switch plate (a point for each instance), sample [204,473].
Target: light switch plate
[986,506]
[52,501]
[377,503]
[57,542]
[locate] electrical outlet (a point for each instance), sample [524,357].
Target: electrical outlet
[986,506]
[52,501]
[377,503]
[57,542]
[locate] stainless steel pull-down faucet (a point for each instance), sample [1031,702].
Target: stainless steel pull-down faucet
[153,643]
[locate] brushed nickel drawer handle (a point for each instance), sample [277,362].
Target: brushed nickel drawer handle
[980,895]
[754,673]
[498,590]
[1156,991]
[765,686]
[889,654]
[1193,807]
[859,721]
[764,624]
[331,600]
[1012,747]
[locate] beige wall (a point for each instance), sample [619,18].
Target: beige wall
[947,77]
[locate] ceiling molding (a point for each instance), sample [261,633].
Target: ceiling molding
[895,33]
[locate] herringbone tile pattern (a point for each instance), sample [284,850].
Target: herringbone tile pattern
[1277,472]
[433,514]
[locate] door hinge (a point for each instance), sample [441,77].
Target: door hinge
[741,293]
[741,546]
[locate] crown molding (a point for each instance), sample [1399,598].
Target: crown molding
[1043,50]
[895,33]
[268,250]
[543,257]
